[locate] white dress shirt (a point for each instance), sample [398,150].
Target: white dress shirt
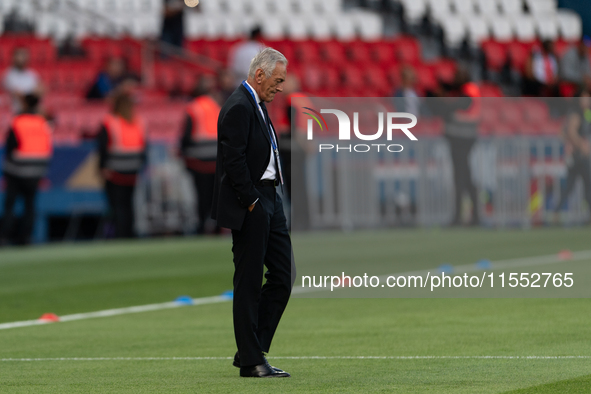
[271,171]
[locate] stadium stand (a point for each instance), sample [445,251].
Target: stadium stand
[335,50]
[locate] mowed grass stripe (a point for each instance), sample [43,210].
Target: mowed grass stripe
[310,327]
[300,358]
[513,263]
[332,328]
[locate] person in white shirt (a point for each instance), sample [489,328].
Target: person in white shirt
[242,54]
[20,80]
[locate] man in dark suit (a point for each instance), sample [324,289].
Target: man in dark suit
[248,173]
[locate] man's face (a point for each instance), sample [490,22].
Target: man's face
[270,86]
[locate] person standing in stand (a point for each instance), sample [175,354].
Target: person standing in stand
[27,155]
[122,154]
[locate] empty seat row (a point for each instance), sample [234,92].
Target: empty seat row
[283,7]
[527,28]
[102,7]
[415,10]
[59,27]
[403,49]
[343,26]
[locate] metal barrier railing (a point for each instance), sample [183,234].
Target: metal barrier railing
[519,181]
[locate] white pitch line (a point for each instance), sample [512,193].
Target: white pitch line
[118,311]
[468,268]
[301,358]
[495,265]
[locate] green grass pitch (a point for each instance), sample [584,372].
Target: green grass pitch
[442,338]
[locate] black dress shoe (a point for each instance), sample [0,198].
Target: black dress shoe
[262,371]
[236,363]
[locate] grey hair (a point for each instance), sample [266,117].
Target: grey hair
[266,60]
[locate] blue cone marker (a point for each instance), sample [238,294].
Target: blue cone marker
[184,300]
[228,293]
[484,264]
[447,268]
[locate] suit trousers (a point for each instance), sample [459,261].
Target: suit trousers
[263,241]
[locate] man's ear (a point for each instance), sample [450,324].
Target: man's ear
[259,75]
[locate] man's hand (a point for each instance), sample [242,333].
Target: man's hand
[251,207]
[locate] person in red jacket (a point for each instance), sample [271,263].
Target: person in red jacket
[122,155]
[27,155]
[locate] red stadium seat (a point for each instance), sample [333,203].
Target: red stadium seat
[332,80]
[98,50]
[186,80]
[376,79]
[312,77]
[383,52]
[72,76]
[489,89]
[499,119]
[307,52]
[408,50]
[334,52]
[353,77]
[552,127]
[58,100]
[495,54]
[445,70]
[535,111]
[216,49]
[489,119]
[519,53]
[393,75]
[511,118]
[426,77]
[42,52]
[567,89]
[359,52]
[166,76]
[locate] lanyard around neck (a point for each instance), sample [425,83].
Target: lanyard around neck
[267,121]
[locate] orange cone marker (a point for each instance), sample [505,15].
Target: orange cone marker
[49,318]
